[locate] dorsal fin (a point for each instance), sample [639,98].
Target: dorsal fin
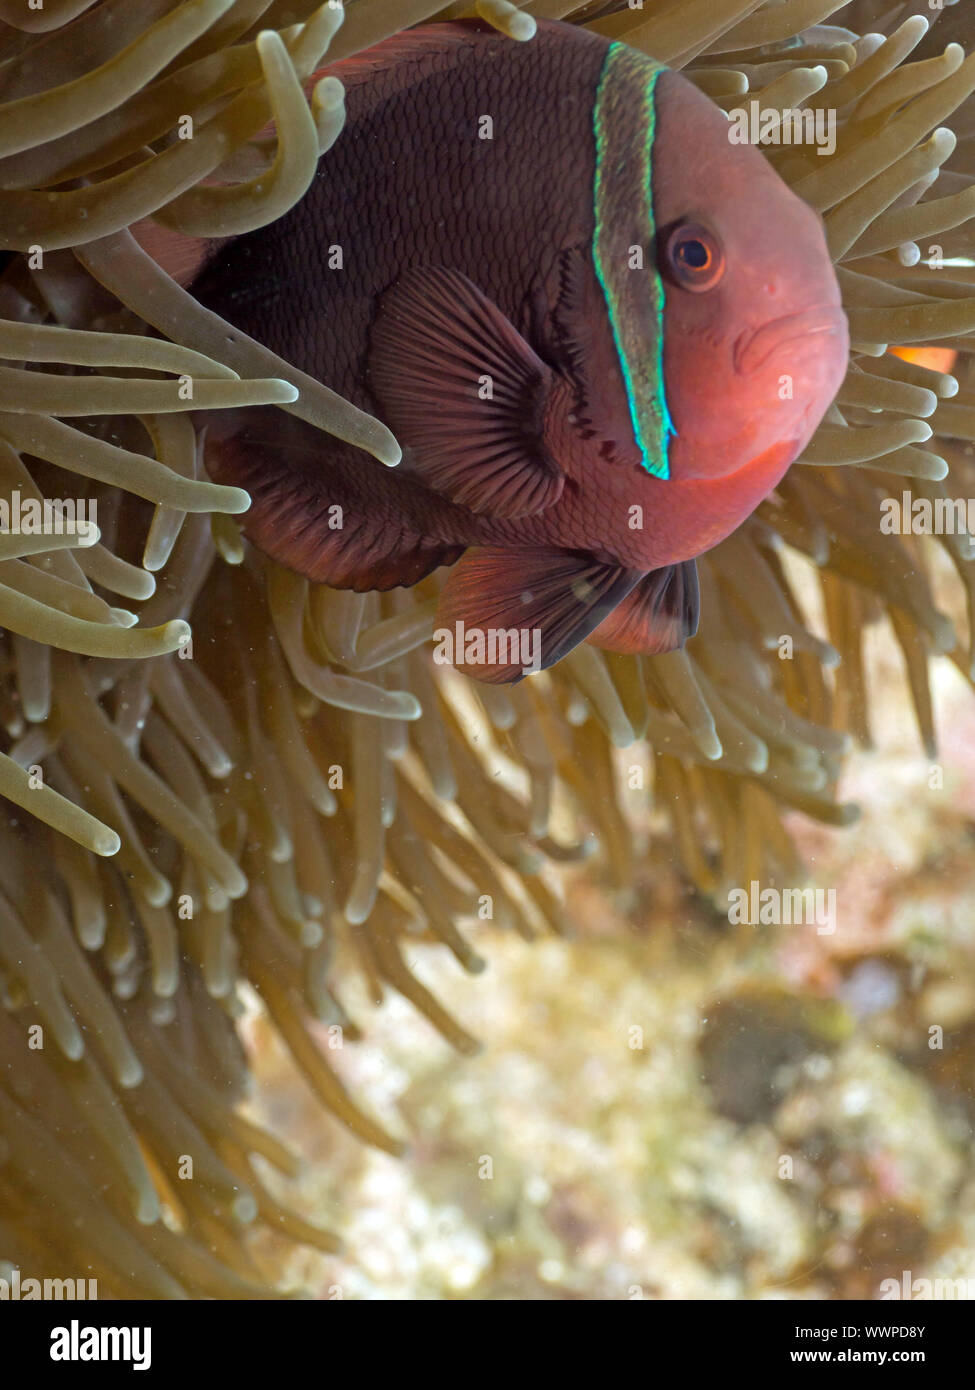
[405,49]
[183,257]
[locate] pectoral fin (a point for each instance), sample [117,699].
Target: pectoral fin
[464,394]
[508,612]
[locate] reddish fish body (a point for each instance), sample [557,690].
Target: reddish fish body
[574,301]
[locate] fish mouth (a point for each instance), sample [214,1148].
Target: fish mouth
[754,349]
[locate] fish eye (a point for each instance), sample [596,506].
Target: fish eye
[693,257]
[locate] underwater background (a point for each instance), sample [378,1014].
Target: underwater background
[265,904]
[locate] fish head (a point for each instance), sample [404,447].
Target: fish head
[755,339]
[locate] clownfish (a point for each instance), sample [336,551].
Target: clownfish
[599,329]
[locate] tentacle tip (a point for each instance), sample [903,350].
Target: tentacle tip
[329,94]
[529,862]
[757,760]
[504,719]
[311,933]
[130,1074]
[143,585]
[160,893]
[522,27]
[148,1210]
[710,745]
[410,708]
[244,1208]
[106,843]
[237,887]
[235,501]
[623,737]
[176,634]
[945,639]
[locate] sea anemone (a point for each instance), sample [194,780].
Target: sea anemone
[239,783]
